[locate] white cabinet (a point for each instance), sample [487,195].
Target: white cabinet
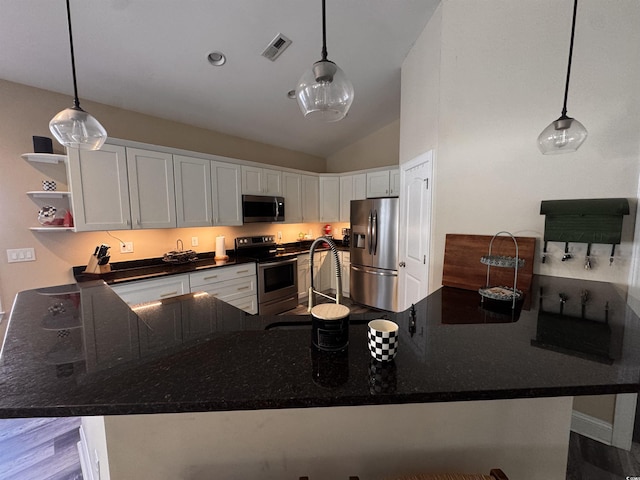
[261,181]
[352,187]
[301,197]
[304,276]
[329,198]
[227,196]
[193,191]
[310,198]
[99,188]
[292,193]
[151,189]
[142,291]
[384,183]
[321,280]
[234,284]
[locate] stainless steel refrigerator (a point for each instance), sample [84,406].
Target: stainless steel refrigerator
[374,252]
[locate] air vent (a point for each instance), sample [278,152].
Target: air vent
[276,47]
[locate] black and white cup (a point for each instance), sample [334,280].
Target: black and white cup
[49,185]
[383,339]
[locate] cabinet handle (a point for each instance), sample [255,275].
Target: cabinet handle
[243,288]
[209,278]
[242,271]
[245,307]
[168,294]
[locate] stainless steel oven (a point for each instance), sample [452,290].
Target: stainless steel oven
[277,285]
[277,273]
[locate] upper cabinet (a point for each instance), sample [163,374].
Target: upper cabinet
[193,191]
[261,181]
[301,197]
[227,197]
[352,187]
[310,198]
[384,183]
[151,188]
[99,188]
[292,193]
[329,199]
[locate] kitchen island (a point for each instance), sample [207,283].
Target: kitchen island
[473,386]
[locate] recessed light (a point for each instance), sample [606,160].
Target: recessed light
[217,58]
[291,94]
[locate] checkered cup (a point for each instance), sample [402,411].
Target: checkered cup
[383,339]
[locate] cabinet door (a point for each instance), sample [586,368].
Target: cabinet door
[143,291]
[378,184]
[346,269]
[193,191]
[394,182]
[151,189]
[252,180]
[346,195]
[227,196]
[304,276]
[310,198]
[272,180]
[329,199]
[161,330]
[359,186]
[99,188]
[291,190]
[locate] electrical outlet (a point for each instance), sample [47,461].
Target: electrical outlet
[21,255]
[279,236]
[126,247]
[194,241]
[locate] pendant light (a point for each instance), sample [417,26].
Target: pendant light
[565,134]
[324,91]
[73,127]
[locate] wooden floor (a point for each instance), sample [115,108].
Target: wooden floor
[39,449]
[591,460]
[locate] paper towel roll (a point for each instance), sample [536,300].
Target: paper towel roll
[221,251]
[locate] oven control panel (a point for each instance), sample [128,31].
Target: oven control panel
[256,241]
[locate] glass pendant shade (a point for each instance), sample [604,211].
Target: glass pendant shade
[564,135]
[324,92]
[73,127]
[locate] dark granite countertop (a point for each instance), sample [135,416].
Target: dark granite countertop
[80,350]
[155,267]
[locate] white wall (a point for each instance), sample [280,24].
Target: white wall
[501,69]
[527,438]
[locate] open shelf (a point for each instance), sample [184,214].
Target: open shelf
[48,194]
[52,229]
[44,157]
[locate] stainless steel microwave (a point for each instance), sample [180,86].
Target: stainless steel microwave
[262,208]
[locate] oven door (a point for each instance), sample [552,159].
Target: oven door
[277,279]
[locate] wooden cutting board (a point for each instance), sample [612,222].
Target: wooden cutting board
[462,267]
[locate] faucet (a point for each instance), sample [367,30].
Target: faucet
[334,251]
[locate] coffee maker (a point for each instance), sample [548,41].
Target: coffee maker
[346,237]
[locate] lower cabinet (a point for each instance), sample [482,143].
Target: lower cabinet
[235,284]
[345,265]
[143,291]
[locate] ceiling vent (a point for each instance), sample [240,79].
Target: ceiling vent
[276,47]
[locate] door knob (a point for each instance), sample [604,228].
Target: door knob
[402,264]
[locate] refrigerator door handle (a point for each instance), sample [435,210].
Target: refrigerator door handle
[369,231]
[374,249]
[372,271]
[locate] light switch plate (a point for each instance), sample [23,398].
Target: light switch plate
[126,247]
[15,255]
[194,241]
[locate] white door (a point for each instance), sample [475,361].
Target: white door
[99,188]
[151,189]
[193,191]
[292,193]
[227,197]
[415,230]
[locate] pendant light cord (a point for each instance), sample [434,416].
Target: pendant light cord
[573,31]
[324,31]
[76,101]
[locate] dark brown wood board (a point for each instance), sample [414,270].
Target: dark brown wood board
[462,267]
